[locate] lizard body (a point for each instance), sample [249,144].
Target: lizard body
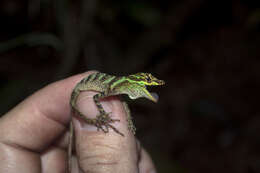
[108,85]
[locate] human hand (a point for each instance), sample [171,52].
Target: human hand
[34,135]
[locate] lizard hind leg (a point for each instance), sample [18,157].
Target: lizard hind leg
[131,125]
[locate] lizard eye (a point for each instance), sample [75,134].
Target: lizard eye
[148,79]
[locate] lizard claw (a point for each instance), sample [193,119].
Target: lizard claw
[103,122]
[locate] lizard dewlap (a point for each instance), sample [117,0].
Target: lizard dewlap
[155,96]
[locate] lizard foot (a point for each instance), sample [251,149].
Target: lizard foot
[103,121]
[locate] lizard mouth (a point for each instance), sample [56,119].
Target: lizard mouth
[151,95]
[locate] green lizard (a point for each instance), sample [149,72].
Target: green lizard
[107,85]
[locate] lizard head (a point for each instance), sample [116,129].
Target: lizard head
[140,81]
[145,79]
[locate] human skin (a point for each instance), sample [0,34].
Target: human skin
[34,135]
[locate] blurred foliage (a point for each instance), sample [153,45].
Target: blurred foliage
[33,39]
[254,19]
[142,13]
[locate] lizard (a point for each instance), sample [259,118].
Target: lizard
[108,85]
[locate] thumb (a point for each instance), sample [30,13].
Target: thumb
[104,152]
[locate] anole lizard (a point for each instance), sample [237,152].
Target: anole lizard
[107,85]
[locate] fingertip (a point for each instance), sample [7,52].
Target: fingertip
[146,164]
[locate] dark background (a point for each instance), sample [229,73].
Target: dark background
[207,118]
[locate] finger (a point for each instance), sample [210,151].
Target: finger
[53,160]
[41,118]
[104,152]
[146,164]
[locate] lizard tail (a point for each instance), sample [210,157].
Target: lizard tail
[73,99]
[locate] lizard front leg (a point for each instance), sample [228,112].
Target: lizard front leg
[103,119]
[131,125]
